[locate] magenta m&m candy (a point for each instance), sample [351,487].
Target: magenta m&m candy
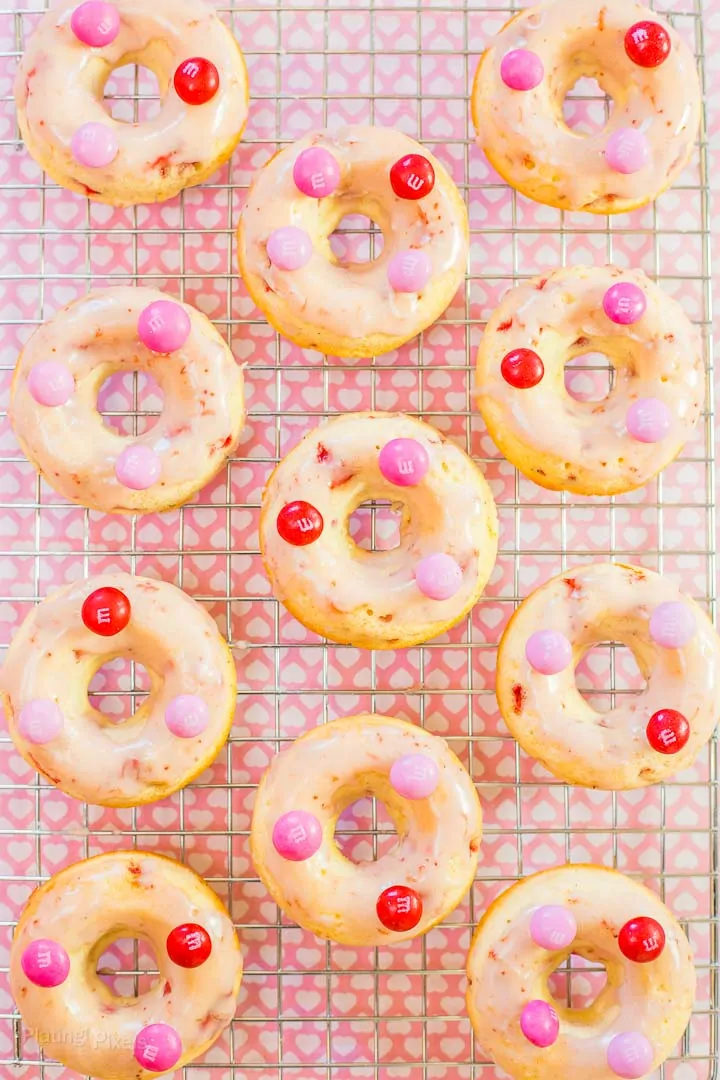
[187,716]
[404,462]
[297,835]
[667,731]
[289,248]
[40,721]
[95,23]
[548,652]
[439,577]
[316,172]
[45,963]
[94,145]
[50,383]
[521,69]
[412,177]
[672,625]
[647,44]
[409,271]
[624,303]
[157,1048]
[553,927]
[539,1023]
[648,420]
[164,326]
[627,150]
[630,1055]
[138,467]
[415,776]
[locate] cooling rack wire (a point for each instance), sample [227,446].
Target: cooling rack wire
[310,1010]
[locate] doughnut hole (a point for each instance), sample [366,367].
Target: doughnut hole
[610,670]
[119,688]
[132,94]
[376,525]
[127,966]
[586,107]
[365,830]
[577,982]
[356,239]
[589,377]
[130,402]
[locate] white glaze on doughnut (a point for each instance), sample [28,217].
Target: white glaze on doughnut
[506,970]
[584,446]
[523,132]
[201,420]
[548,716]
[88,906]
[370,598]
[326,770]
[60,86]
[54,656]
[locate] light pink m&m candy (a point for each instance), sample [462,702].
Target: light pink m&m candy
[672,625]
[409,271]
[316,172]
[95,23]
[164,326]
[648,420]
[138,467]
[415,776]
[94,145]
[521,69]
[539,1023]
[50,383]
[297,835]
[404,462]
[624,303]
[627,150]
[45,963]
[289,248]
[158,1047]
[187,715]
[548,651]
[553,927]
[438,577]
[630,1055]
[40,721]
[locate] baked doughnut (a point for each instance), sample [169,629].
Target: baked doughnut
[53,401]
[68,129]
[174,735]
[590,447]
[358,308]
[609,919]
[638,60]
[645,738]
[378,599]
[428,794]
[72,919]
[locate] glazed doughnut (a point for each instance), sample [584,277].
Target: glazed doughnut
[590,447]
[645,738]
[607,918]
[53,401]
[378,599]
[174,735]
[299,198]
[72,919]
[429,796]
[637,59]
[59,93]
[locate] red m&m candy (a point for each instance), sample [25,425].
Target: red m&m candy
[412,177]
[106,612]
[522,368]
[399,908]
[189,945]
[197,81]
[668,731]
[299,523]
[641,940]
[647,44]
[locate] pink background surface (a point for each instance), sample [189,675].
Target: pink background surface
[308,1009]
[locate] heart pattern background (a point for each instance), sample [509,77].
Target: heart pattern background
[310,1010]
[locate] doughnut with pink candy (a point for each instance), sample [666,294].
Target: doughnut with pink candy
[68,129]
[53,401]
[644,738]
[590,447]
[638,60]
[173,735]
[71,920]
[433,804]
[299,198]
[378,599]
[606,918]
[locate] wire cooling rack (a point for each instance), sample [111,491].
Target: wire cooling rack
[309,1009]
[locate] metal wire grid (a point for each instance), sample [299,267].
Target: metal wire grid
[427,1063]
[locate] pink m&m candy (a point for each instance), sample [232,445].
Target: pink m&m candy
[438,577]
[316,172]
[297,835]
[627,150]
[138,467]
[539,1023]
[289,248]
[521,69]
[648,420]
[164,326]
[404,462]
[95,23]
[158,1048]
[45,963]
[94,145]
[409,271]
[672,625]
[187,715]
[548,651]
[50,383]
[553,927]
[630,1055]
[624,303]
[415,776]
[40,721]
